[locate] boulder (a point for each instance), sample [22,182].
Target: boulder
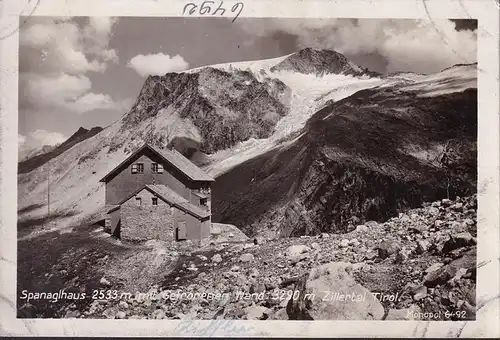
[361,228]
[457,241]
[434,211]
[255,312]
[296,250]
[110,313]
[420,293]
[386,249]
[217,258]
[257,288]
[446,202]
[422,246]
[316,246]
[103,281]
[121,315]
[418,228]
[344,243]
[337,296]
[447,272]
[298,258]
[253,273]
[246,257]
[434,267]
[402,256]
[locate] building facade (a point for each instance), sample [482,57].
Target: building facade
[158,194]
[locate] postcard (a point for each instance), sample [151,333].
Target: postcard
[250,168]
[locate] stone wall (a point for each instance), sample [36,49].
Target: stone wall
[146,222]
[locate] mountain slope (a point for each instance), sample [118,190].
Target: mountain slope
[321,62]
[25,155]
[34,162]
[362,158]
[225,107]
[223,116]
[206,113]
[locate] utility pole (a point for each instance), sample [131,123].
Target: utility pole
[48,190]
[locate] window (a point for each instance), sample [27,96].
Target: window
[203,201]
[138,201]
[138,168]
[157,168]
[155,200]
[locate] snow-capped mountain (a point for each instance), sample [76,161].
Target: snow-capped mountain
[230,117]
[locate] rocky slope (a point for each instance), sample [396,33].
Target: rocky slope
[225,107]
[418,265]
[361,158]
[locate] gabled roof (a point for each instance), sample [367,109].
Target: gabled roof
[173,157]
[171,197]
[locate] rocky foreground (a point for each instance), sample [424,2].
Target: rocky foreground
[419,265]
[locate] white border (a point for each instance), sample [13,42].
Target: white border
[486,11]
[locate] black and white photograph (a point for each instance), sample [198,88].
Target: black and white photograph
[238,168]
[311,170]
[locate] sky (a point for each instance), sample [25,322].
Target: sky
[86,72]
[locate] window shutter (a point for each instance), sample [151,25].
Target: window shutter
[134,168]
[160,168]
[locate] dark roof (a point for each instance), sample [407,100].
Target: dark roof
[112,208]
[171,197]
[173,157]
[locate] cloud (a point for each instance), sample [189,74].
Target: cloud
[38,139]
[21,139]
[408,45]
[55,56]
[62,45]
[157,64]
[70,93]
[97,35]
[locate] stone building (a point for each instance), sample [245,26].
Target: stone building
[158,194]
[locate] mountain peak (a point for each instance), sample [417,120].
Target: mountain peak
[321,62]
[81,130]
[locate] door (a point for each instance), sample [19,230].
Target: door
[117,230]
[181,230]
